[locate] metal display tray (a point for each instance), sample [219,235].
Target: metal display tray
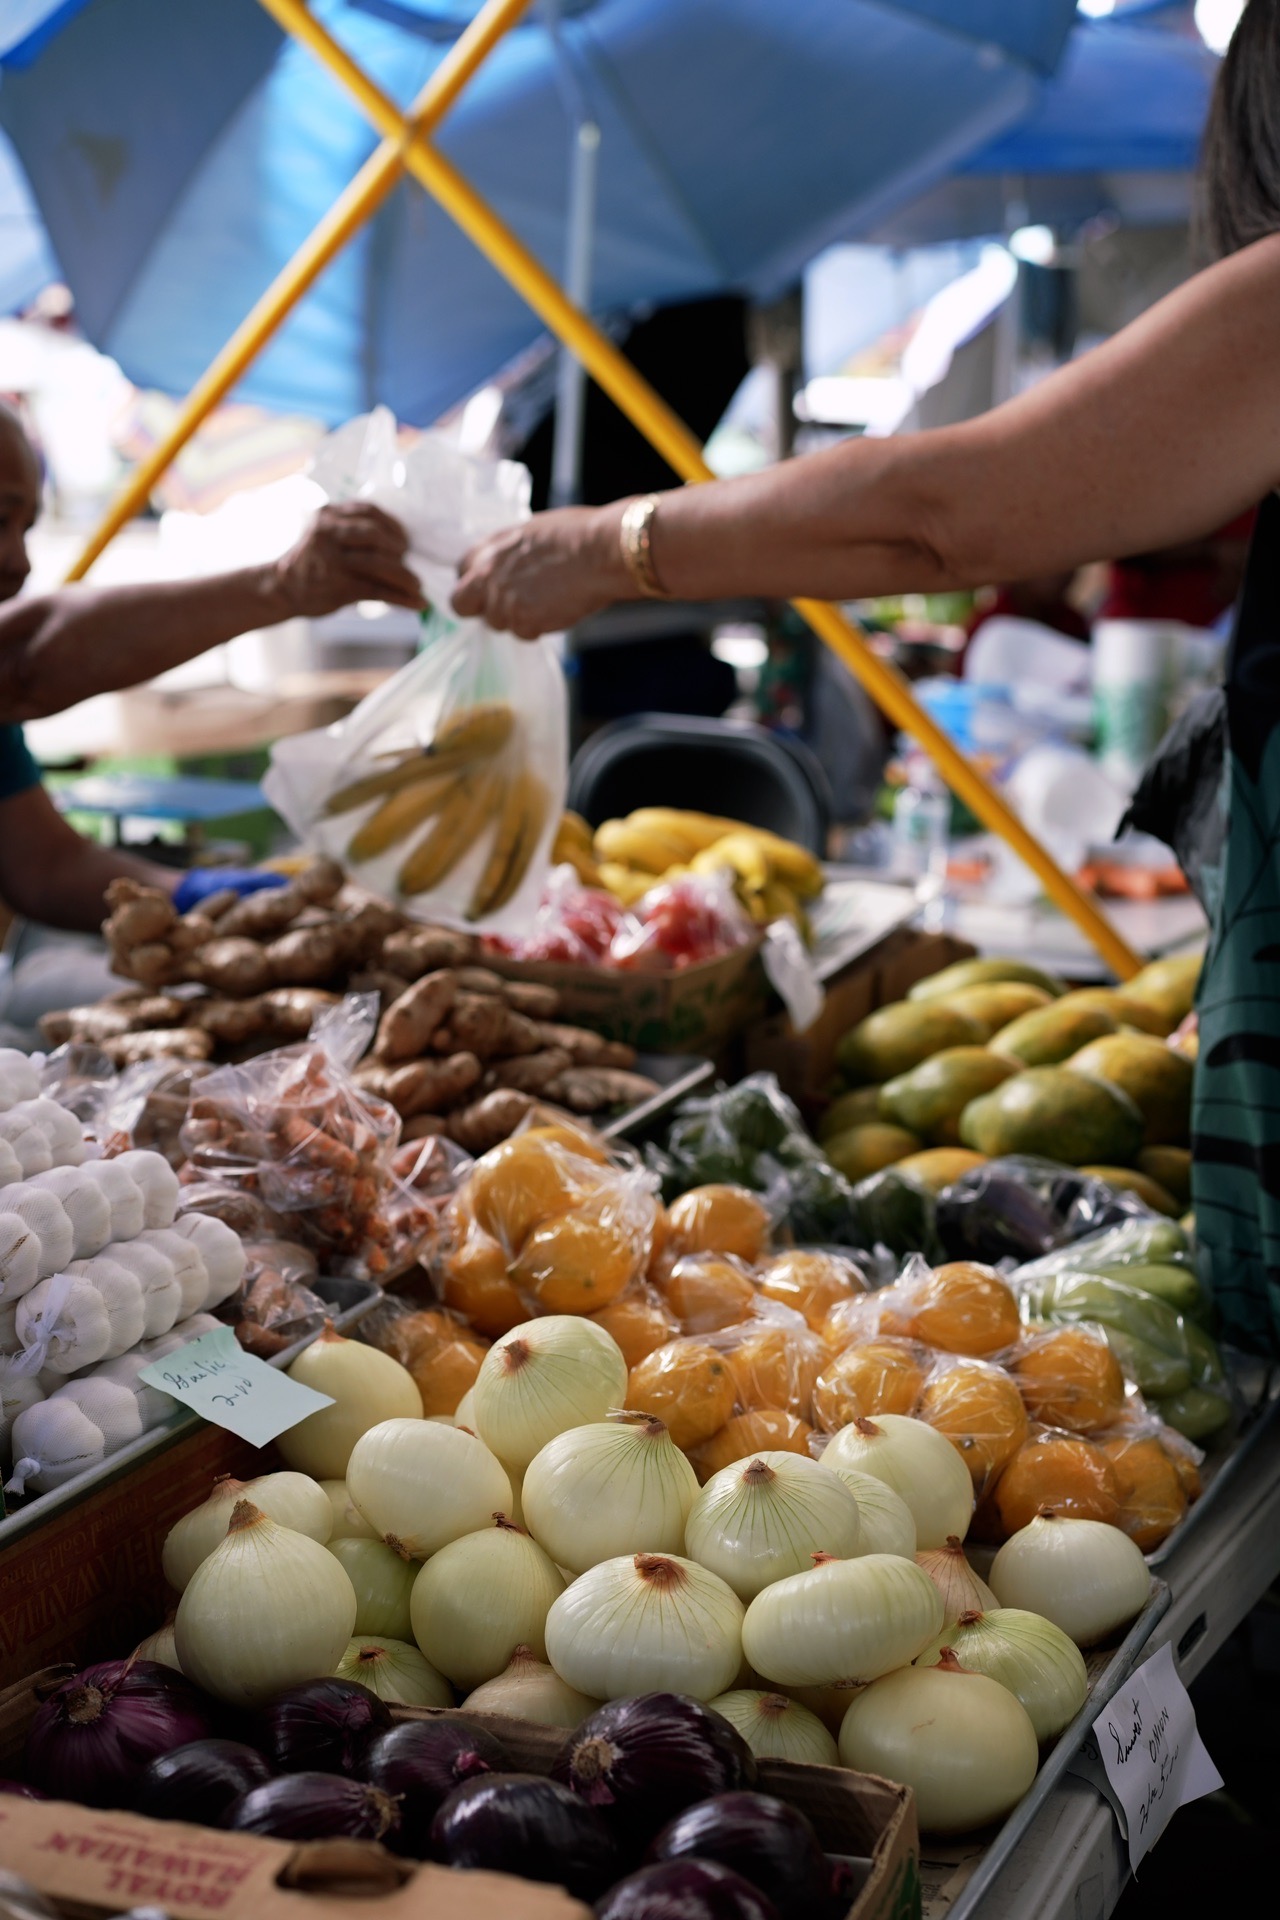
[350,1299]
[1119,1664]
[1220,1469]
[677,1074]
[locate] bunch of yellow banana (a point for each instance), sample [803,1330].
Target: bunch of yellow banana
[771,876]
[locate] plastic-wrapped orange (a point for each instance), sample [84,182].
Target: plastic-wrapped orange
[707,1291]
[812,1283]
[525,1181]
[688,1386]
[1151,1497]
[640,1322]
[965,1308]
[719,1219]
[473,1279]
[1069,1377]
[1184,1458]
[1060,1471]
[852,1321]
[776,1366]
[578,1140]
[979,1409]
[764,1429]
[441,1353]
[877,1376]
[579,1262]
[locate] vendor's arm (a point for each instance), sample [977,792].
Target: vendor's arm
[51,874]
[1169,429]
[61,647]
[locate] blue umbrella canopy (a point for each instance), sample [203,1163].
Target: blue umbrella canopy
[179,155]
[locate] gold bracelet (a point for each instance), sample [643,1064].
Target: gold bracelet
[635,535]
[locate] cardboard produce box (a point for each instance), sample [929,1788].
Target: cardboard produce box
[695,1009]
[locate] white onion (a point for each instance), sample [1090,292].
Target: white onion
[395,1671]
[1085,1576]
[617,1486]
[885,1521]
[53,1441]
[479,1599]
[528,1689]
[420,1485]
[188,1268]
[154,1407]
[542,1378]
[849,1620]
[961,1741]
[961,1589]
[382,1583]
[153,1270]
[918,1463]
[644,1623]
[19,1257]
[348,1521]
[113,1409]
[46,1216]
[776,1728]
[156,1181]
[221,1250]
[123,1196]
[464,1414]
[86,1205]
[121,1296]
[65,1320]
[268,1609]
[1036,1661]
[366,1387]
[766,1516]
[290,1499]
[160,1645]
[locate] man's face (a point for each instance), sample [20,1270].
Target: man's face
[19,504]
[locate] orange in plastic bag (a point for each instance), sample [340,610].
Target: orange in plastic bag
[850,1322]
[964,1308]
[443,1356]
[763,1430]
[1069,1377]
[581,1261]
[472,1276]
[640,1322]
[527,1180]
[688,1386]
[719,1219]
[775,1364]
[706,1291]
[812,1283]
[1060,1471]
[979,1409]
[876,1376]
[1152,1500]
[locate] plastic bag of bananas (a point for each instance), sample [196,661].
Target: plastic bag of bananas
[442,790]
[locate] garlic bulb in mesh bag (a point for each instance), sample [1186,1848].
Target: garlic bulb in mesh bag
[221,1249]
[123,1196]
[53,1441]
[28,1142]
[9,1341]
[10,1165]
[154,1407]
[121,1295]
[18,1075]
[60,1127]
[19,1257]
[46,1216]
[87,1207]
[19,1389]
[110,1405]
[161,1294]
[64,1320]
[189,1269]
[157,1182]
[189,1329]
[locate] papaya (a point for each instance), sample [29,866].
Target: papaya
[1168,985]
[931,1098]
[850,1110]
[1156,1079]
[939,1167]
[1149,1191]
[896,1038]
[868,1149]
[981,973]
[1170,1167]
[993,1006]
[1061,1114]
[1052,1034]
[1123,1010]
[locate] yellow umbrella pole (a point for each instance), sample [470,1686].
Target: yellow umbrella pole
[887,687]
[349,213]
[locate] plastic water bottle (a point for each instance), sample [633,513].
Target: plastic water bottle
[921,830]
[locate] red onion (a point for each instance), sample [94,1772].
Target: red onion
[685,1890]
[768,1842]
[420,1762]
[644,1760]
[315,1806]
[200,1782]
[524,1824]
[91,1739]
[322,1726]
[21,1791]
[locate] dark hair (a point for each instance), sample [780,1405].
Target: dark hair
[1240,157]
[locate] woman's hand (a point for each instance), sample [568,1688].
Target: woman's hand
[546,574]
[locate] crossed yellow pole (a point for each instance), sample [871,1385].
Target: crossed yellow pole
[405,146]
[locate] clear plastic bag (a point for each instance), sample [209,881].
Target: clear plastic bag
[960,1307]
[1158,1473]
[145,1106]
[681,922]
[976,1405]
[1021,1207]
[760,1372]
[443,790]
[437,1347]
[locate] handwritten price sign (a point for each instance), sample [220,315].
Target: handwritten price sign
[1151,1752]
[223,1384]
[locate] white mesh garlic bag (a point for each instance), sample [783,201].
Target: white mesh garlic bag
[158,1183]
[123,1196]
[63,1323]
[121,1295]
[188,1265]
[46,1216]
[221,1249]
[161,1294]
[154,1407]
[86,1205]
[110,1404]
[28,1143]
[52,1442]
[19,1257]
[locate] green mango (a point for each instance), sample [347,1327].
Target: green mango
[1176,1286]
[1194,1413]
[1153,1372]
[1206,1361]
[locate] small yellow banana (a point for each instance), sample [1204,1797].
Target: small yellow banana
[696,830]
[626,884]
[470,804]
[574,831]
[631,846]
[475,732]
[399,814]
[520,822]
[742,854]
[794,864]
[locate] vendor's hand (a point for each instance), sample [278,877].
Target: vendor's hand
[200,883]
[545,574]
[351,551]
